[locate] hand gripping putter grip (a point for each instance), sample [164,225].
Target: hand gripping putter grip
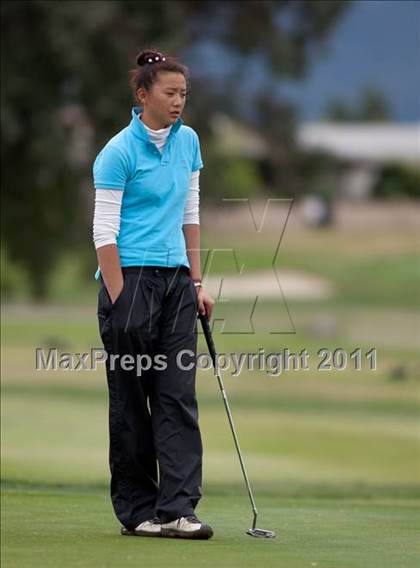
[258,533]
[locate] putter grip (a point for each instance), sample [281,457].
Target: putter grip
[209,339]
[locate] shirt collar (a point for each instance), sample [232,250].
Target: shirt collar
[139,130]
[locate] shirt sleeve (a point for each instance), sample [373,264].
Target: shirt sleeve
[106,218]
[197,161]
[191,211]
[110,169]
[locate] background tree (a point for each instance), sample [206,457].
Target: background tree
[58,53]
[372,106]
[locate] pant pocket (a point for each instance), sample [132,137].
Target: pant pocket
[103,313]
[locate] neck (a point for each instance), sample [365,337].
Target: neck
[151,121]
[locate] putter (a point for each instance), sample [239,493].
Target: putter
[258,533]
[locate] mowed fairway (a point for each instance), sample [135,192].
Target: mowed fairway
[69,528]
[333,459]
[333,456]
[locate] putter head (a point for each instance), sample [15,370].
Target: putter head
[261,533]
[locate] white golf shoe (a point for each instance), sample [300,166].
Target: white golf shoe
[187,527]
[150,527]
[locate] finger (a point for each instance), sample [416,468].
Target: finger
[209,308]
[201,306]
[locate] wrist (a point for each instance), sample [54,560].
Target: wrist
[197,283]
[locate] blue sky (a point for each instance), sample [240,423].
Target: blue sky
[375,43]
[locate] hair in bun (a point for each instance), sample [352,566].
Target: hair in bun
[149,63]
[148,57]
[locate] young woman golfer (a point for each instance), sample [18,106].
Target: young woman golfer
[147,238]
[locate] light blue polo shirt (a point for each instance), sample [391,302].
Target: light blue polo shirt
[155,186]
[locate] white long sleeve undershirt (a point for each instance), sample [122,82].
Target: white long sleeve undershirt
[107,214]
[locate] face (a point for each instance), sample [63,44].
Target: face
[166,100]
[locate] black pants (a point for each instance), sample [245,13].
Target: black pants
[153,415]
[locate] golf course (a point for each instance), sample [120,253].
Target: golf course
[333,455]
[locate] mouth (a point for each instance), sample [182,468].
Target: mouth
[175,113]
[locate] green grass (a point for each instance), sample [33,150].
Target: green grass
[311,438]
[334,457]
[49,528]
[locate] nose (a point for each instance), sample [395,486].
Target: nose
[178,102]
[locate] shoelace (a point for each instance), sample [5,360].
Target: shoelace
[192,519]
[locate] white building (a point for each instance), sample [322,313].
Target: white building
[361,148]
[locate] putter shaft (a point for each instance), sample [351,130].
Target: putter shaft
[210,343]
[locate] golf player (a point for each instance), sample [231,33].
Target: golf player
[147,238]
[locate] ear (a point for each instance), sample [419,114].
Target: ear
[141,95]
